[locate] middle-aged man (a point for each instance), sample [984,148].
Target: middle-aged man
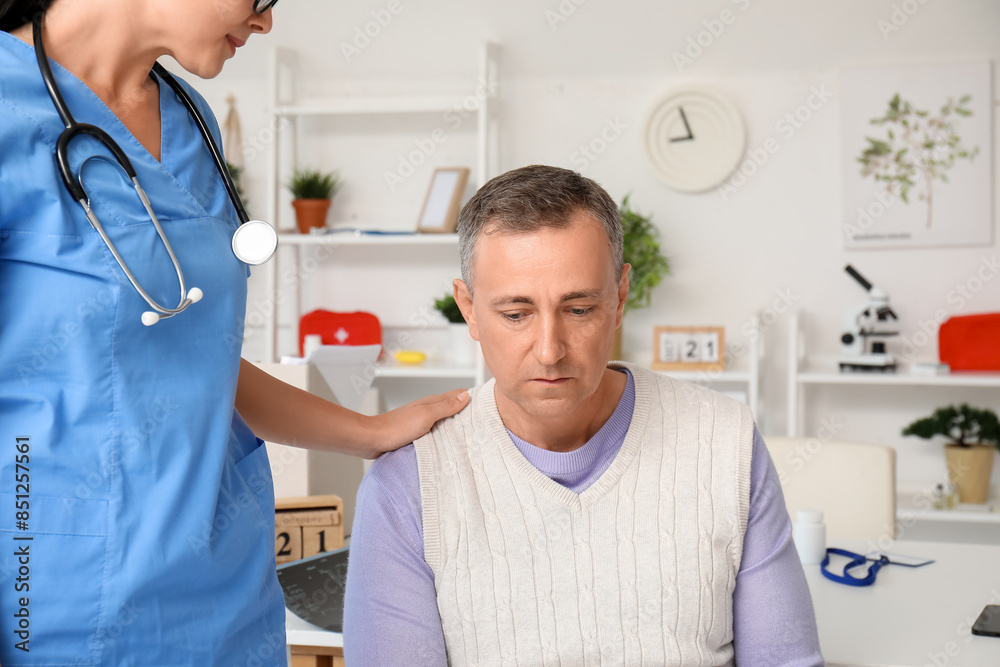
[576,512]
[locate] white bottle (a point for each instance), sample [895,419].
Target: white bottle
[809,534]
[311,343]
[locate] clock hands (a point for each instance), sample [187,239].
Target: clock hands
[690,135]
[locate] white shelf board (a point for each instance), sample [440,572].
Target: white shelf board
[346,238]
[961,514]
[426,371]
[375,105]
[709,376]
[965,379]
[908,509]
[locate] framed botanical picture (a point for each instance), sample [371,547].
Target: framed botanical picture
[689,348]
[444,197]
[917,146]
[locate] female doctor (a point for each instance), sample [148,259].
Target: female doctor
[136,504]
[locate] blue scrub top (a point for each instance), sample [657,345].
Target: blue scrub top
[147,503]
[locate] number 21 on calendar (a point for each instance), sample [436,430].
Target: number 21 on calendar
[689,348]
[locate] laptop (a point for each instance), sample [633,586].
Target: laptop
[314,588]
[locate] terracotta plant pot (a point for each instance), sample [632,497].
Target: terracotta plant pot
[310,213]
[969,469]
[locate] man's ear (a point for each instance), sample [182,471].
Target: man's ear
[464,301]
[622,294]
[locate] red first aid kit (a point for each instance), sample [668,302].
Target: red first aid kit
[340,328]
[971,342]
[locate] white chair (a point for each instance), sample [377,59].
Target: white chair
[853,483]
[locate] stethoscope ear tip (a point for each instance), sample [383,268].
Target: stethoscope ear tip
[194,295]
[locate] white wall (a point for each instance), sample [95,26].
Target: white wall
[562,82]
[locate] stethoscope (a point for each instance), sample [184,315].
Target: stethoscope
[858,560]
[254,241]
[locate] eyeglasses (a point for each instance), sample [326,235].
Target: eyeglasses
[261,6]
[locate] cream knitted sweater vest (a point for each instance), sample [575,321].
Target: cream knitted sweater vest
[639,569]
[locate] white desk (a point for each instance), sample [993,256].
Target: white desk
[910,617]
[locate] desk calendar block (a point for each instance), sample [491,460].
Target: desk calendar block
[306,526]
[689,348]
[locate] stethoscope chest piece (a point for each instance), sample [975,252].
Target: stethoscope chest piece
[254,242]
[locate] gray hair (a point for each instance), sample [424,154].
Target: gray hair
[532,198]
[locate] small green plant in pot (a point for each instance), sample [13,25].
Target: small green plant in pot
[447,306]
[312,191]
[463,347]
[641,250]
[973,434]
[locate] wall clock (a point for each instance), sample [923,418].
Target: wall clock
[693,138]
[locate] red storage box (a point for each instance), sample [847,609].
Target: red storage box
[971,342]
[340,328]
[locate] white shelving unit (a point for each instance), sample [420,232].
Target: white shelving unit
[916,519]
[426,372]
[350,239]
[748,379]
[287,110]
[802,375]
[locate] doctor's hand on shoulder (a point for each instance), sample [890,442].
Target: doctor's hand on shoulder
[281,413]
[401,426]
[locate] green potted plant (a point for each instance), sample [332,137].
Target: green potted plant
[311,194]
[236,173]
[641,250]
[463,347]
[973,436]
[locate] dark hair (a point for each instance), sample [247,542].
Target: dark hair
[15,13]
[531,198]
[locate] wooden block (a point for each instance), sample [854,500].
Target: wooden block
[318,539]
[308,502]
[323,517]
[313,661]
[287,544]
[689,348]
[317,656]
[307,525]
[300,649]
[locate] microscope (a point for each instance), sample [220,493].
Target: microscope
[866,326]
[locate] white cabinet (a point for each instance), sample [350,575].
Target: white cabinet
[916,519]
[802,375]
[380,251]
[309,472]
[744,385]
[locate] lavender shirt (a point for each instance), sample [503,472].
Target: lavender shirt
[391,615]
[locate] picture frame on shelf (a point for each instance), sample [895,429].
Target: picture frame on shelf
[689,348]
[444,198]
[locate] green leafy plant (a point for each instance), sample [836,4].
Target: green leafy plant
[963,426]
[236,173]
[312,184]
[642,251]
[917,145]
[446,306]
